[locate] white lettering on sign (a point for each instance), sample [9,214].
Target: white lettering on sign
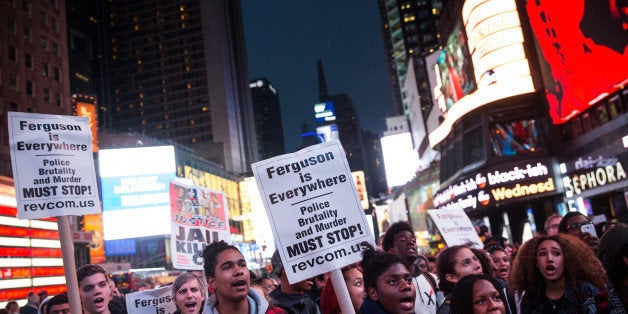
[578,183]
[590,163]
[517,174]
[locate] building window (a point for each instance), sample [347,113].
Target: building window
[28,34]
[44,43]
[55,49]
[12,53]
[13,106]
[28,60]
[515,137]
[13,82]
[26,7]
[58,99]
[42,18]
[45,69]
[55,25]
[29,88]
[56,74]
[46,94]
[12,26]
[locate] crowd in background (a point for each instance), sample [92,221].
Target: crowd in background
[565,269]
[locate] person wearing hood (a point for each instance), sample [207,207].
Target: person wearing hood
[228,276]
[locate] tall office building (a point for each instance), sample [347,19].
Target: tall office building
[268,125]
[179,72]
[409,32]
[33,63]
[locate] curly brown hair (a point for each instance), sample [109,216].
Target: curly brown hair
[580,264]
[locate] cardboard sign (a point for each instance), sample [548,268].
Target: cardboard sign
[314,209]
[53,165]
[151,301]
[455,227]
[199,217]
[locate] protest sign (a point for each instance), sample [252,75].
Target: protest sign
[314,208]
[199,217]
[152,301]
[53,165]
[455,227]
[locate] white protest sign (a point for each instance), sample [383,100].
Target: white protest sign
[152,301]
[313,206]
[53,165]
[199,216]
[455,227]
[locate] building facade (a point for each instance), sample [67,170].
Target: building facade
[268,124]
[179,72]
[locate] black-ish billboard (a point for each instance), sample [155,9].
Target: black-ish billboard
[498,185]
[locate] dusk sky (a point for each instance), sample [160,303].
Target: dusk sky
[285,38]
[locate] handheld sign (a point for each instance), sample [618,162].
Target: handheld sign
[152,301]
[455,227]
[53,165]
[313,206]
[199,216]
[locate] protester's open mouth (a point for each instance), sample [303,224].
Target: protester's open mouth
[239,283]
[407,303]
[190,305]
[503,270]
[99,300]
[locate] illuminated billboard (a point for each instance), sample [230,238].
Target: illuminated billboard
[325,112]
[327,133]
[135,191]
[456,71]
[500,66]
[400,161]
[584,49]
[497,186]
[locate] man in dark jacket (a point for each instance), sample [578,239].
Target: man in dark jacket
[295,298]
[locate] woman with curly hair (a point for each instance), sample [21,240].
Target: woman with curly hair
[556,274]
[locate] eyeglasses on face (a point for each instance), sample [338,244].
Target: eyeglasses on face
[577,225]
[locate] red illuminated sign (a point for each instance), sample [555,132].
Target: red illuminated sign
[584,44]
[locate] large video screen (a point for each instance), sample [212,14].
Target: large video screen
[584,47]
[135,191]
[456,70]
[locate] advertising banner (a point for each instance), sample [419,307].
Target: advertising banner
[455,227]
[314,208]
[199,216]
[53,165]
[151,301]
[498,185]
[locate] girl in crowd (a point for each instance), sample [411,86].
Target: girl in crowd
[452,264]
[481,293]
[501,262]
[388,283]
[188,294]
[355,284]
[556,274]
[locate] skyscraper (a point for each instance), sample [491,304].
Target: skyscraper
[409,32]
[33,63]
[179,72]
[268,125]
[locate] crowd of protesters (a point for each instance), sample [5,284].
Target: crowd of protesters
[565,269]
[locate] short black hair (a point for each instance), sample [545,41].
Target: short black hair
[462,295]
[562,226]
[389,237]
[375,263]
[210,256]
[58,299]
